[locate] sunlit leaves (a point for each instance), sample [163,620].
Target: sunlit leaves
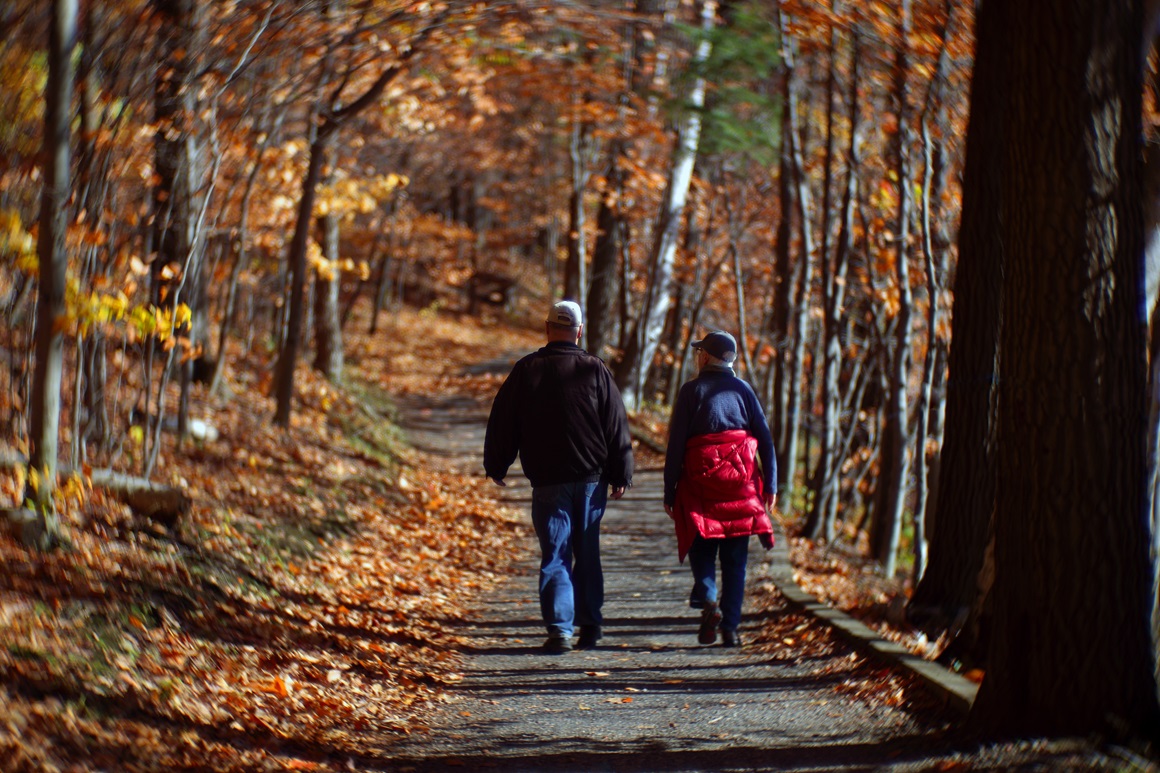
[16,242]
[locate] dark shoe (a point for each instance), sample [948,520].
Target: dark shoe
[730,638]
[589,635]
[557,645]
[710,619]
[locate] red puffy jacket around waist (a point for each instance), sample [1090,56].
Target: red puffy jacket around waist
[720,492]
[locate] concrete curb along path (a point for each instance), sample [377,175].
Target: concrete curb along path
[957,691]
[649,698]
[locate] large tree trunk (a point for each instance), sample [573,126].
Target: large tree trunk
[964,501]
[633,370]
[44,408]
[1071,652]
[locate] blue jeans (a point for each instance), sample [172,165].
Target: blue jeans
[734,552]
[567,521]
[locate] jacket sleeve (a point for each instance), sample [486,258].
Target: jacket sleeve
[618,460]
[502,441]
[678,436]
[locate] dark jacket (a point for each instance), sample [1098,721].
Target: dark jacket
[560,410]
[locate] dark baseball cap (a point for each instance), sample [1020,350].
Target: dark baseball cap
[718,344]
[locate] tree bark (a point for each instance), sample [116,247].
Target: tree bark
[296,267]
[576,270]
[894,474]
[1071,540]
[44,407]
[964,502]
[605,253]
[927,433]
[780,315]
[328,354]
[800,304]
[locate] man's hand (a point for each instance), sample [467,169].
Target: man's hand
[499,482]
[669,510]
[617,492]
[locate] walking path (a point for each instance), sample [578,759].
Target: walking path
[649,698]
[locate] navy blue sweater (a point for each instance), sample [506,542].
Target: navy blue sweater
[716,401]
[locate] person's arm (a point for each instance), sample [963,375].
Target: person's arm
[675,450]
[618,438]
[501,442]
[759,428]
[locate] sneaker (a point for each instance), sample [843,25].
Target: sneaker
[710,619]
[557,644]
[730,638]
[589,635]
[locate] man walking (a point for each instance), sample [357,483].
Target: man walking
[561,412]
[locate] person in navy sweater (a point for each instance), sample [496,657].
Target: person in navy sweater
[720,483]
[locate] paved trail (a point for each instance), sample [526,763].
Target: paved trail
[650,698]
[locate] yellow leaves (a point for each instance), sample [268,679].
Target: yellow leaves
[15,240]
[347,197]
[149,320]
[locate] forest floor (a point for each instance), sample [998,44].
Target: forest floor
[310,613]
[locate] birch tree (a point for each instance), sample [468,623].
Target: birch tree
[633,370]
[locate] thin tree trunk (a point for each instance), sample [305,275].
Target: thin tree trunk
[780,314]
[328,354]
[824,512]
[576,270]
[895,471]
[642,344]
[296,267]
[44,408]
[296,257]
[803,284]
[933,181]
[242,263]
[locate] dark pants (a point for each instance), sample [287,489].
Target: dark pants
[734,554]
